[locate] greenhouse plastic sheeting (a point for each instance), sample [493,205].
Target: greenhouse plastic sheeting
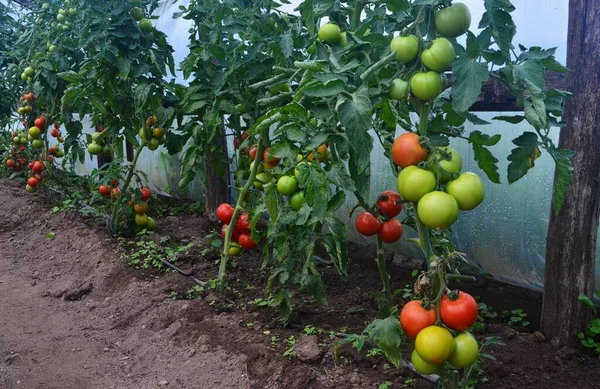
[506,235]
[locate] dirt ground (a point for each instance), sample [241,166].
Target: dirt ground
[74,315]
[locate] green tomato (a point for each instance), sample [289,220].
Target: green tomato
[448,166]
[45,6]
[434,344]
[137,14]
[260,168]
[466,351]
[414,183]
[468,190]
[437,210]
[142,133]
[105,150]
[297,199]
[153,144]
[146,25]
[405,47]
[37,144]
[151,226]
[24,77]
[398,89]
[29,71]
[330,33]
[426,86]
[453,21]
[94,148]
[235,249]
[31,189]
[52,48]
[60,18]
[343,39]
[72,11]
[60,153]
[261,179]
[439,56]
[95,136]
[62,12]
[421,366]
[287,185]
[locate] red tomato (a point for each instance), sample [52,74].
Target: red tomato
[253,151]
[33,182]
[270,160]
[145,194]
[391,231]
[235,234]
[407,150]
[104,190]
[10,163]
[367,224]
[51,159]
[245,240]
[237,141]
[51,151]
[225,213]
[115,193]
[38,167]
[40,123]
[389,203]
[243,224]
[460,313]
[55,133]
[413,318]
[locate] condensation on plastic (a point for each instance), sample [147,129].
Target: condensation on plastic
[505,236]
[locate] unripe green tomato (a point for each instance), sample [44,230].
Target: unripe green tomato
[72,11]
[312,49]
[60,18]
[137,14]
[62,12]
[60,153]
[343,39]
[426,86]
[153,144]
[466,351]
[439,56]
[421,366]
[261,179]
[297,199]
[399,89]
[437,210]
[434,344]
[37,144]
[448,166]
[235,249]
[31,189]
[151,225]
[45,6]
[52,48]
[146,25]
[29,71]
[414,183]
[94,148]
[287,185]
[330,33]
[259,169]
[405,47]
[468,190]
[95,135]
[453,21]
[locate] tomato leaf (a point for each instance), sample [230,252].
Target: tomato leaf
[497,19]
[468,75]
[312,282]
[485,159]
[385,333]
[316,188]
[319,89]
[564,176]
[510,119]
[335,244]
[522,157]
[339,177]
[283,300]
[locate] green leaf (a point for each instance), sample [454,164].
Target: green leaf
[510,119]
[339,177]
[336,202]
[523,156]
[335,244]
[385,333]
[69,76]
[552,64]
[286,43]
[320,89]
[497,18]
[140,95]
[124,66]
[283,300]
[312,282]
[316,188]
[468,75]
[485,159]
[563,176]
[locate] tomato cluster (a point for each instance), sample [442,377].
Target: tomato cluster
[241,234]
[434,343]
[151,135]
[140,208]
[424,171]
[383,222]
[98,144]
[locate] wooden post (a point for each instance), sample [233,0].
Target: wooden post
[216,189]
[571,239]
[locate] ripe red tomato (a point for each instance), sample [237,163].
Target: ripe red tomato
[237,141]
[253,151]
[235,234]
[367,224]
[51,159]
[38,167]
[407,150]
[245,240]
[55,133]
[115,193]
[33,182]
[413,318]
[225,213]
[104,190]
[243,224]
[391,231]
[389,203]
[40,122]
[10,163]
[460,313]
[145,194]
[268,159]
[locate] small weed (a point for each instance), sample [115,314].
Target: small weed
[591,337]
[250,324]
[374,352]
[274,341]
[145,254]
[310,330]
[261,302]
[516,318]
[291,343]
[385,385]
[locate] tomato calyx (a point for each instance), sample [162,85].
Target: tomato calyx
[453,295]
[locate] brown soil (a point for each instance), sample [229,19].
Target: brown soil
[73,315]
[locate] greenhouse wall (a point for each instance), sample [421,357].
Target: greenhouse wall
[506,235]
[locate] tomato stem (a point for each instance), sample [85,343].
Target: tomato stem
[356,15]
[115,217]
[385,278]
[424,119]
[236,213]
